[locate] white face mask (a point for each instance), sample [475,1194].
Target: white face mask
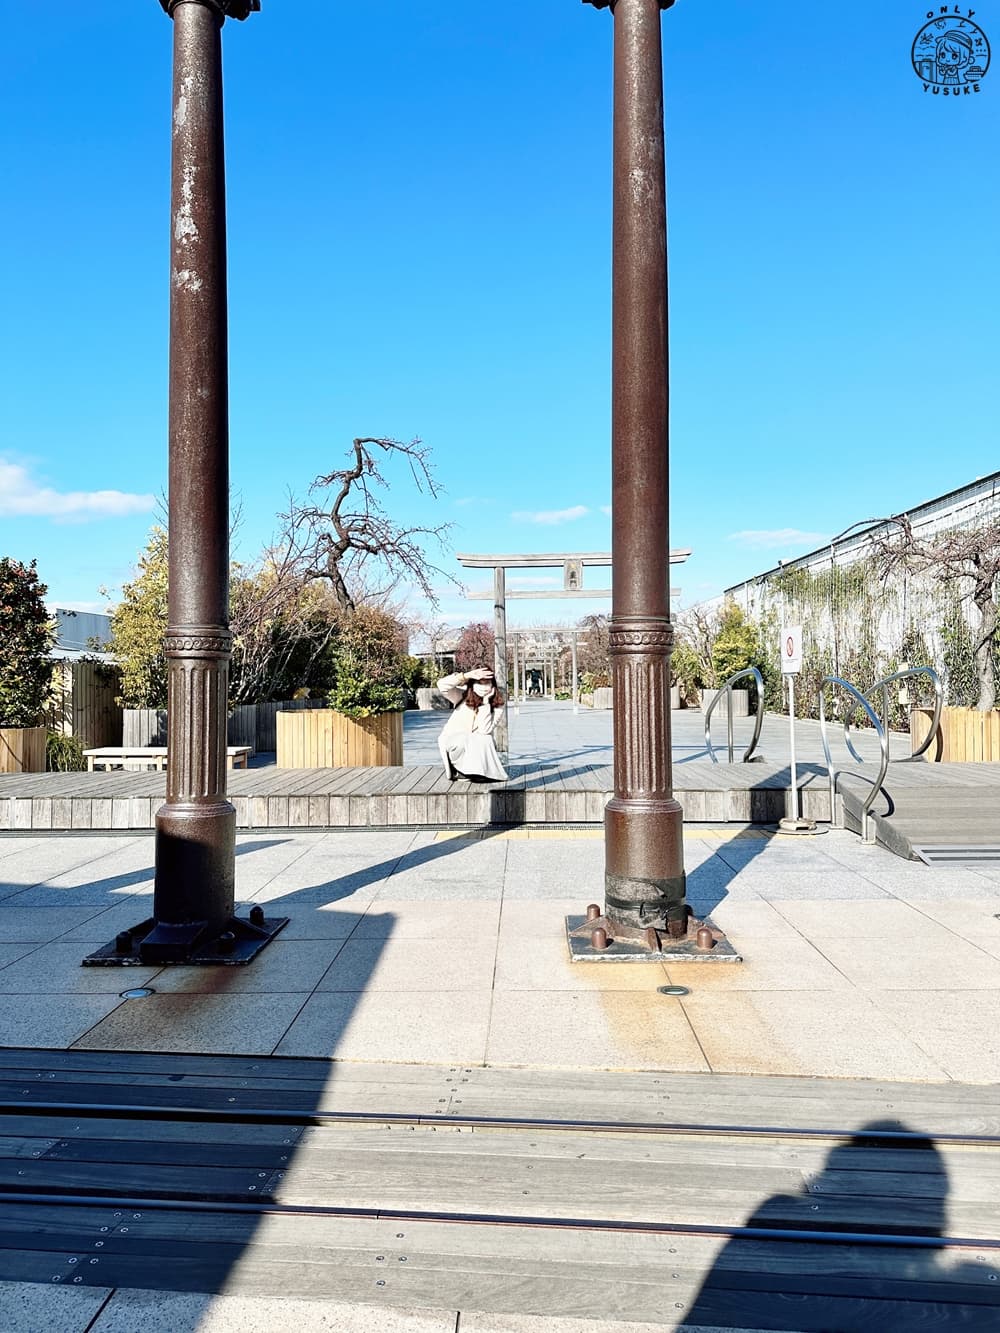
[484,691]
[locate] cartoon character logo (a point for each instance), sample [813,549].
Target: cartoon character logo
[950,53]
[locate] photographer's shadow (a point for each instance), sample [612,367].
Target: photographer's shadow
[871,1185]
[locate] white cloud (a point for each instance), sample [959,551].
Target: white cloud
[606,509]
[551,516]
[23,497]
[471,500]
[767,539]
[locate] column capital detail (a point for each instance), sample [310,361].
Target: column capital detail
[610,4]
[197,640]
[232,9]
[640,634]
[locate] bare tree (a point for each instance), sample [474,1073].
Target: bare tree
[348,538]
[593,654]
[968,557]
[475,647]
[282,628]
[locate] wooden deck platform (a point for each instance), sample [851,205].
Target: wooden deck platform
[406,796]
[708,1200]
[953,809]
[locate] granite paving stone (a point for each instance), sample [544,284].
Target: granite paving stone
[960,1028]
[428,1028]
[236,1024]
[56,1019]
[593,1029]
[403,965]
[286,965]
[182,1312]
[55,968]
[842,1035]
[36,1307]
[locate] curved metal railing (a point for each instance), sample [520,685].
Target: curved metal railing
[883,687]
[726,689]
[860,700]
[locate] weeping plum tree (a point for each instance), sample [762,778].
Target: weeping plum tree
[968,561]
[347,536]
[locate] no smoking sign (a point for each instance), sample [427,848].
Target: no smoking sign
[791,650]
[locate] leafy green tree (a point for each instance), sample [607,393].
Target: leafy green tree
[282,630]
[26,638]
[368,663]
[736,645]
[138,624]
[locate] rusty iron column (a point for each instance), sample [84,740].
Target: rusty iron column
[644,859]
[194,895]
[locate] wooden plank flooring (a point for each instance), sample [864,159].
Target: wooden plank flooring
[928,804]
[404,796]
[353,1210]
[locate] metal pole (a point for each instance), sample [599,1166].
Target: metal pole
[193,899]
[500,652]
[576,687]
[791,742]
[644,857]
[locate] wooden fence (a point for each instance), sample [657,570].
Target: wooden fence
[143,727]
[249,724]
[83,704]
[966,736]
[321,738]
[22,749]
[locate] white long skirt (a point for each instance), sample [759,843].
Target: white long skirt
[473,754]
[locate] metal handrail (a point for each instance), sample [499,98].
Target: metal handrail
[832,775]
[727,689]
[883,686]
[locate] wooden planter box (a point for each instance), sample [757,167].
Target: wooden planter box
[22,749]
[322,738]
[966,735]
[740,698]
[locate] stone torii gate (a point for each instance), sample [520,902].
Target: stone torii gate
[571,563]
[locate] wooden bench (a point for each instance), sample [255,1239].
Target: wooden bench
[138,758]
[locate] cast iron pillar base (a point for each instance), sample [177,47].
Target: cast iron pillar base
[644,850]
[231,943]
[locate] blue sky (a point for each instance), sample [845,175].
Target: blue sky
[419,213]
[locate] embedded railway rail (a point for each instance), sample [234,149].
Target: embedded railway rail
[630,1196]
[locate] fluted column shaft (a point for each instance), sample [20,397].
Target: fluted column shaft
[195,829]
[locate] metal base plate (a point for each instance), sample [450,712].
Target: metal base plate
[799,828]
[631,951]
[248,938]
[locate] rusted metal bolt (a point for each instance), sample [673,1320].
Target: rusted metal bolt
[227,942]
[599,938]
[256,915]
[704,938]
[593,912]
[676,929]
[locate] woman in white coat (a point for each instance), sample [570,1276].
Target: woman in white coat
[466,742]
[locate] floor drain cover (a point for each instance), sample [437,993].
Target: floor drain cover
[137,993]
[673,990]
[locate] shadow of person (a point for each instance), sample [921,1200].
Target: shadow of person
[882,1183]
